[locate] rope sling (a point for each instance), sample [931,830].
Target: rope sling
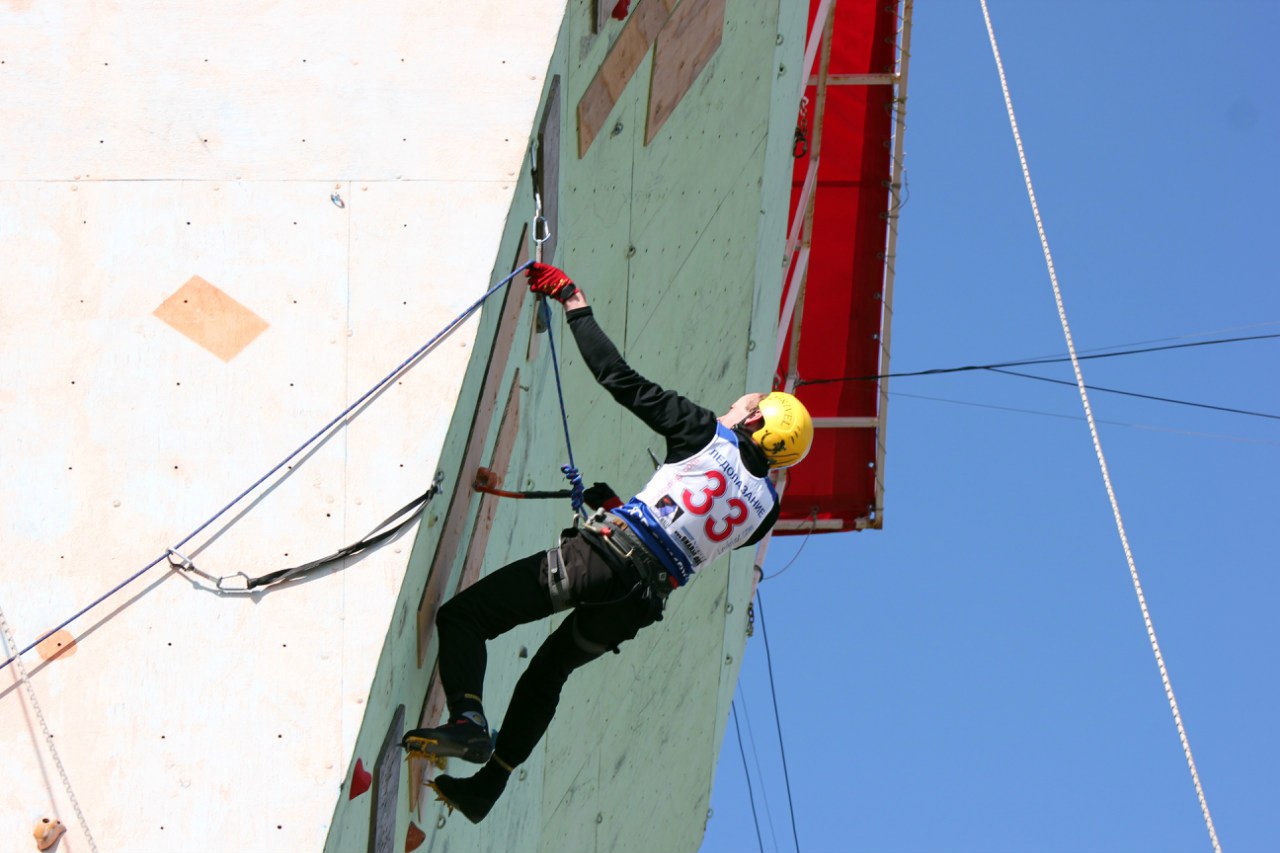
[389,529]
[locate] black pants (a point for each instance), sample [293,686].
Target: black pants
[610,607]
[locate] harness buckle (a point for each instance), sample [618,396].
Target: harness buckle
[558,581]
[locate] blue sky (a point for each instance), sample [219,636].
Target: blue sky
[977,676]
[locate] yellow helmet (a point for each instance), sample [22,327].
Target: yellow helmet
[787,432]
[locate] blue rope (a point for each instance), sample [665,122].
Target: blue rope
[448,329]
[571,470]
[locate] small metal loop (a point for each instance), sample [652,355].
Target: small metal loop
[337,200]
[183,561]
[541,231]
[223,588]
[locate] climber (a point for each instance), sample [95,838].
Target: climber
[712,494]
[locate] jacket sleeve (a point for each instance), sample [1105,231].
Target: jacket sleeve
[686,425]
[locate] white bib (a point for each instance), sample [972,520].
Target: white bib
[701,507]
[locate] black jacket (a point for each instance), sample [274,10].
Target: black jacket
[685,425]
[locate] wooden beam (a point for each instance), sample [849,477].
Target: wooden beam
[845,423]
[809,524]
[459,508]
[615,72]
[858,80]
[433,708]
[688,40]
[548,187]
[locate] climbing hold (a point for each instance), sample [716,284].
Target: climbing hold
[620,10]
[486,478]
[361,779]
[47,832]
[413,838]
[59,643]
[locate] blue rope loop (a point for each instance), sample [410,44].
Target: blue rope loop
[575,486]
[570,470]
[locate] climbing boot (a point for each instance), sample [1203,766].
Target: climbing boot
[466,737]
[474,797]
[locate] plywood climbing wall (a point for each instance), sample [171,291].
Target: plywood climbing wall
[219,225]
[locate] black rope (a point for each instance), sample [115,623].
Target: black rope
[733,708]
[937,371]
[1135,394]
[778,721]
[399,520]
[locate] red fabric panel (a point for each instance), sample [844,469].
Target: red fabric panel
[842,317]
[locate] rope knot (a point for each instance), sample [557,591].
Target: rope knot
[575,485]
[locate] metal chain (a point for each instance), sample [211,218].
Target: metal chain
[1097,443]
[12,646]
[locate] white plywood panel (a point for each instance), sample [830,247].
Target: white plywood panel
[244,90]
[131,434]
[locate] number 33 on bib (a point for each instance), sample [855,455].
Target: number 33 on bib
[705,505]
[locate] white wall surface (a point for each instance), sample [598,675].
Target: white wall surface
[150,142]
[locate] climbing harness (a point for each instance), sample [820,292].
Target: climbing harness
[1097,443]
[651,575]
[448,329]
[558,581]
[390,529]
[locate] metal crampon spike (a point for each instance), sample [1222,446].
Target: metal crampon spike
[440,797]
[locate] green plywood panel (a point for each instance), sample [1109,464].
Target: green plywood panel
[776,177]
[678,247]
[708,140]
[572,823]
[653,762]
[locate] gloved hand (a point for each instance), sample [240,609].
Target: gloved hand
[601,496]
[551,281]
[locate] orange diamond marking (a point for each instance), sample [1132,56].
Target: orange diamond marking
[211,318]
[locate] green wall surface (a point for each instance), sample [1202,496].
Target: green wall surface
[678,245]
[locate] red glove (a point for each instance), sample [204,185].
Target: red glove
[550,281]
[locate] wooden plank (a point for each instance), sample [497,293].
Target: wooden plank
[688,40]
[549,168]
[646,21]
[509,428]
[456,517]
[432,596]
[434,707]
[386,788]
[499,464]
